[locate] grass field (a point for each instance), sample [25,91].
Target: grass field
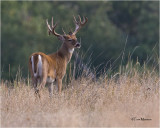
[125,99]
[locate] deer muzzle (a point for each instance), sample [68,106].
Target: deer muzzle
[78,45]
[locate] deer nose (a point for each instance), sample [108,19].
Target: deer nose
[78,45]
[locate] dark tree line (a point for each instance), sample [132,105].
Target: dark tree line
[112,28]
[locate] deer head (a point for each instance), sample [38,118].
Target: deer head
[69,39]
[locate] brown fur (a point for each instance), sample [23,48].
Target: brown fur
[54,65]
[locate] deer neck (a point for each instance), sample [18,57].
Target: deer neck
[66,52]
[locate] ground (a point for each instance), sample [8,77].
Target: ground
[121,100]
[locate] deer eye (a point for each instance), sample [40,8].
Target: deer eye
[70,40]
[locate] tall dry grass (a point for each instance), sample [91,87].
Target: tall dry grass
[127,98]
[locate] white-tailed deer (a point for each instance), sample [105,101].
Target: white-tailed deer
[48,68]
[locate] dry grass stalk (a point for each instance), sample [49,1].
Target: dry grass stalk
[105,102]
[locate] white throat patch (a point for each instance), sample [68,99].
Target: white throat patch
[71,50]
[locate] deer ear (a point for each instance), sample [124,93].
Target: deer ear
[61,38]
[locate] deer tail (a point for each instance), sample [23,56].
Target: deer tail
[36,65]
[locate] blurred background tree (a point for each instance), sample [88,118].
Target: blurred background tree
[115,30]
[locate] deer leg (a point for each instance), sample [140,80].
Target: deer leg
[56,86]
[43,81]
[59,81]
[34,83]
[50,89]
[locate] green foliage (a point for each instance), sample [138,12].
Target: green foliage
[24,31]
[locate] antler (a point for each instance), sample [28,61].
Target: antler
[63,31]
[79,24]
[52,29]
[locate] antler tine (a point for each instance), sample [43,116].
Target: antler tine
[79,23]
[79,18]
[63,31]
[49,27]
[52,29]
[75,21]
[85,19]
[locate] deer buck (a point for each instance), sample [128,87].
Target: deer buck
[49,68]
